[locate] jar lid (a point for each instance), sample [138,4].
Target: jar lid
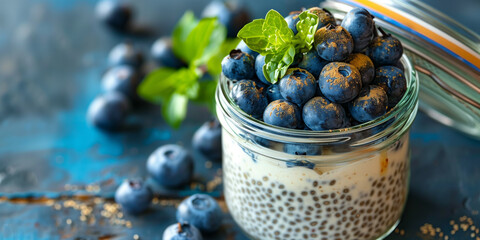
[445,54]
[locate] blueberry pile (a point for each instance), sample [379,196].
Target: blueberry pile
[350,76]
[110,110]
[171,166]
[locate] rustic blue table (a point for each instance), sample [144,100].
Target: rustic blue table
[58,174]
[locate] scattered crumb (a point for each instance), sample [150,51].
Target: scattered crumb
[464,225]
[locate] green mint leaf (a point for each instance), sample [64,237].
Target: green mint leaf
[180,33]
[204,41]
[206,94]
[214,64]
[157,85]
[276,29]
[252,35]
[174,109]
[163,82]
[306,26]
[186,80]
[276,64]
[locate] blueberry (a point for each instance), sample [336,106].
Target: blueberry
[202,211]
[122,79]
[162,53]
[232,16]
[244,48]
[292,20]
[114,14]
[134,196]
[108,111]
[249,98]
[364,65]
[297,86]
[392,80]
[259,62]
[208,140]
[399,65]
[171,166]
[321,114]
[340,82]
[182,231]
[324,16]
[125,54]
[333,43]
[312,63]
[238,65]
[302,149]
[370,104]
[359,23]
[385,50]
[283,113]
[273,93]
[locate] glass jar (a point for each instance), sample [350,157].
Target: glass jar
[350,183]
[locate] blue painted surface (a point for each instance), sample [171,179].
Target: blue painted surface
[53,54]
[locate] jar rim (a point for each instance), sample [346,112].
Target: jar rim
[404,107]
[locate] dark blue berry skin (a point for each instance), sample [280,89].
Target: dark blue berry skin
[340,82]
[259,62]
[333,43]
[393,81]
[324,16]
[244,48]
[134,196]
[273,93]
[371,103]
[232,16]
[283,113]
[364,65]
[208,140]
[292,20]
[125,54]
[249,98]
[359,23]
[302,149]
[399,65]
[202,211]
[321,114]
[171,166]
[114,14]
[182,231]
[312,63]
[385,50]
[297,86]
[162,53]
[123,79]
[238,65]
[108,111]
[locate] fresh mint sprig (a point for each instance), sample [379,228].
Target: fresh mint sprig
[273,38]
[201,44]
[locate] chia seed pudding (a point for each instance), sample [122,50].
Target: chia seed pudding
[359,200]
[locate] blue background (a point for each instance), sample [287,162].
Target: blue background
[52,56]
